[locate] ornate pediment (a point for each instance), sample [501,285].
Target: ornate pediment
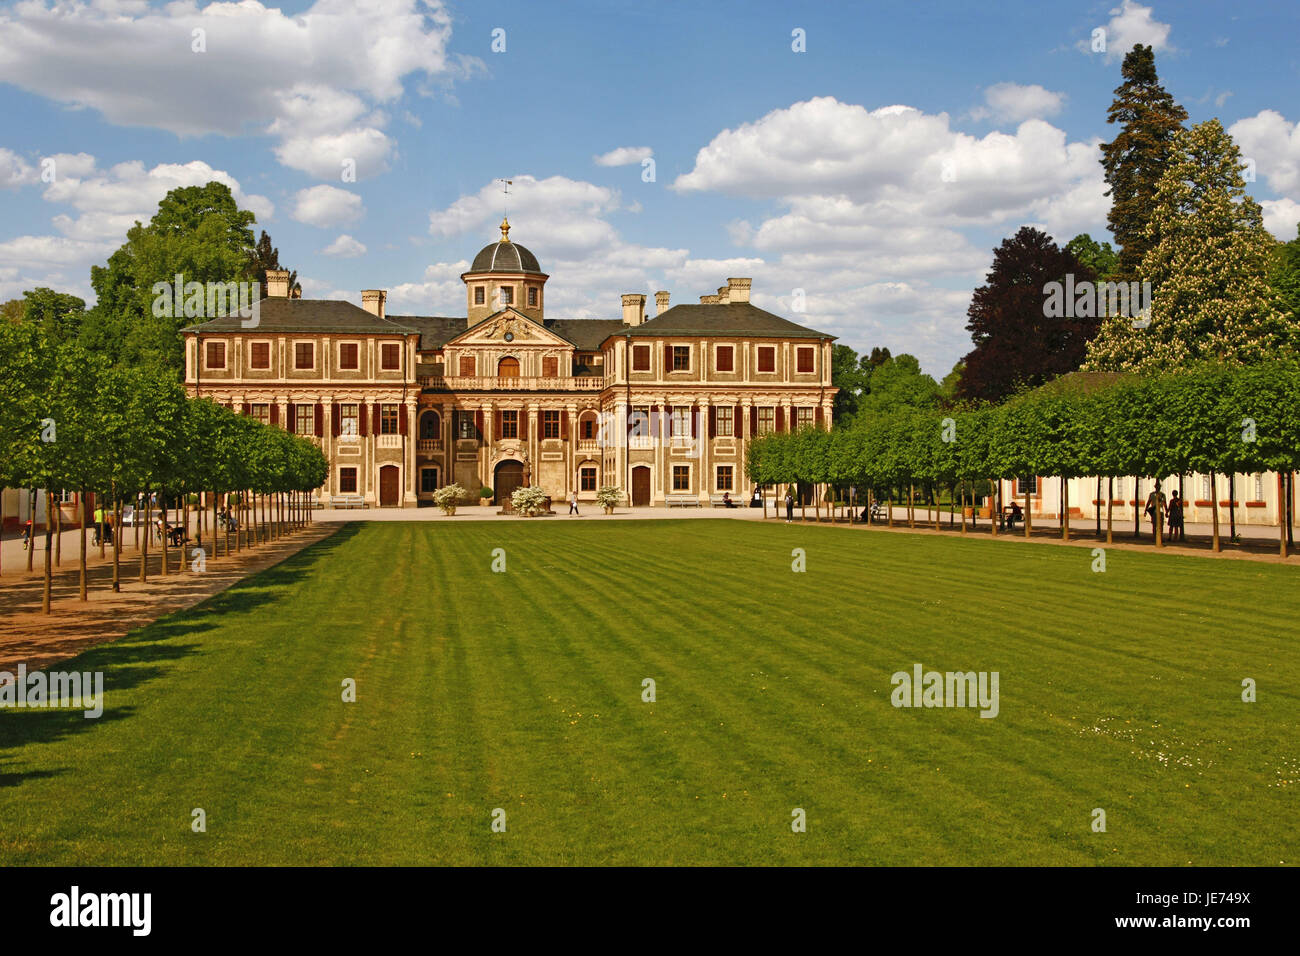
[510,329]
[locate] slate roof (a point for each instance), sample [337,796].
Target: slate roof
[305,315]
[585,334]
[736,318]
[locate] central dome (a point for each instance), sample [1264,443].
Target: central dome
[505,256]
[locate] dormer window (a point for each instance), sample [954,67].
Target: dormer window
[507,293]
[532,297]
[479,295]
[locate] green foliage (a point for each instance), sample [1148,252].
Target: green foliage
[1099,257]
[448,496]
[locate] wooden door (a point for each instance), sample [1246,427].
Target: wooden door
[389,488]
[509,476]
[640,486]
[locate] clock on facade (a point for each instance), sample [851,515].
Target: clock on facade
[510,336]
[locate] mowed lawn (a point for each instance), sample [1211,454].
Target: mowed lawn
[522,691]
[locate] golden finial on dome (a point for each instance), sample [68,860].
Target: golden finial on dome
[505,229]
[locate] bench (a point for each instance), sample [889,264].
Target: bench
[347,501]
[682,501]
[715,501]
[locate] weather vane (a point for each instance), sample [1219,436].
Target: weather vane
[505,208]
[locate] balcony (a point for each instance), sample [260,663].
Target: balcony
[428,446]
[588,444]
[388,441]
[508,383]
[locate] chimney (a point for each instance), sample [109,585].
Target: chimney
[738,290]
[277,283]
[633,309]
[661,303]
[708,300]
[722,295]
[372,300]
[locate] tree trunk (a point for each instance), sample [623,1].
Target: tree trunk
[117,541]
[1232,506]
[1214,510]
[148,523]
[1160,520]
[963,507]
[58,532]
[1137,506]
[1110,508]
[49,555]
[81,564]
[1065,509]
[162,508]
[1097,508]
[994,510]
[1029,521]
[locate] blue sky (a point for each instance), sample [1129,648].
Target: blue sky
[875,170]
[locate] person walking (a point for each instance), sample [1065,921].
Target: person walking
[789,506]
[1176,530]
[573,504]
[1155,507]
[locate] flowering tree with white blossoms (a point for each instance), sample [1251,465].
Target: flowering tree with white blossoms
[1208,265]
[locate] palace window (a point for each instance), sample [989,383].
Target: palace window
[550,366]
[304,355]
[260,413]
[681,358]
[1259,487]
[467,365]
[640,358]
[508,368]
[348,357]
[640,421]
[347,481]
[767,358]
[681,422]
[510,423]
[806,417]
[587,478]
[428,480]
[726,361]
[388,419]
[681,477]
[766,420]
[478,295]
[551,423]
[390,355]
[804,359]
[348,421]
[215,355]
[587,428]
[304,419]
[724,478]
[507,294]
[1206,493]
[259,355]
[1027,485]
[723,418]
[465,424]
[532,297]
[431,426]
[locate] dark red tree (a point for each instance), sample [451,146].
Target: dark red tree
[1017,344]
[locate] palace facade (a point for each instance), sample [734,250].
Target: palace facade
[661,407]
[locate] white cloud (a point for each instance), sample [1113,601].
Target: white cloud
[326,206]
[135,65]
[1014,103]
[345,247]
[1131,24]
[624,156]
[1281,217]
[1274,145]
[15,171]
[47,252]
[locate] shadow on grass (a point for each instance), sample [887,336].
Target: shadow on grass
[146,655]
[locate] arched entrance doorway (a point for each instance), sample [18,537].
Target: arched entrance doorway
[640,486]
[508,476]
[389,487]
[508,368]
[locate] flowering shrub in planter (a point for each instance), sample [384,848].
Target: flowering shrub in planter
[448,497]
[529,501]
[609,496]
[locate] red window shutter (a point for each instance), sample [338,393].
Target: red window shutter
[244,409]
[376,424]
[275,413]
[292,423]
[496,423]
[363,419]
[695,418]
[735,421]
[335,419]
[753,420]
[779,421]
[401,420]
[654,421]
[666,422]
[713,421]
[668,358]
[478,421]
[818,416]
[320,420]
[564,424]
[523,423]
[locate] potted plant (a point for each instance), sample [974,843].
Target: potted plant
[529,501]
[608,496]
[485,494]
[447,497]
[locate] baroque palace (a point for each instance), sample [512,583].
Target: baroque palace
[404,404]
